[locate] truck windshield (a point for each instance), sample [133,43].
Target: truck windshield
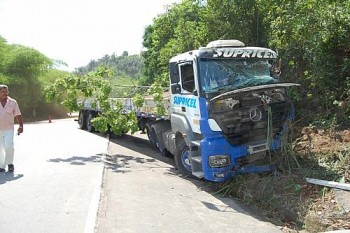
[229,74]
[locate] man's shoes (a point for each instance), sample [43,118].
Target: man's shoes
[11,168]
[2,170]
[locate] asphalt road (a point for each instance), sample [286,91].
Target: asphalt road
[143,192]
[57,178]
[67,180]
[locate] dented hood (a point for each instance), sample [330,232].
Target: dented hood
[255,88]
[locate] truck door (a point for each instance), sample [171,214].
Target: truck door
[186,103]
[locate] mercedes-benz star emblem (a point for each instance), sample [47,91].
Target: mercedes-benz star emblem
[255,114]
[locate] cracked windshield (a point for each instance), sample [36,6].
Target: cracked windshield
[224,75]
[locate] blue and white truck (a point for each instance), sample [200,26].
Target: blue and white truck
[226,110]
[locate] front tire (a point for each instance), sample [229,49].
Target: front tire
[182,158]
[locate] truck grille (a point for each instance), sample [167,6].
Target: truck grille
[244,117]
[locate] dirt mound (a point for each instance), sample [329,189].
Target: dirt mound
[332,151]
[285,197]
[313,140]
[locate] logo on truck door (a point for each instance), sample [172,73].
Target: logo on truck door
[183,101]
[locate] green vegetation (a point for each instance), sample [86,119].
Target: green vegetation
[313,41]
[311,37]
[26,71]
[124,66]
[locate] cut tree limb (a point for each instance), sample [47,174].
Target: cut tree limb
[331,184]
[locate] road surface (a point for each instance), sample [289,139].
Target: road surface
[67,180]
[143,192]
[58,171]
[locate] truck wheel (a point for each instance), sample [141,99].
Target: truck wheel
[81,120]
[151,135]
[158,140]
[89,126]
[182,158]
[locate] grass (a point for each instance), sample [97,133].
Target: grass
[286,199]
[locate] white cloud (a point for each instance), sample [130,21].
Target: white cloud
[77,31]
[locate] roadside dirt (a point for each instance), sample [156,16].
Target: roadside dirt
[286,199]
[332,150]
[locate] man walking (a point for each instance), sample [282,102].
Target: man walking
[9,110]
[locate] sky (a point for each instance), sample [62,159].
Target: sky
[78,31]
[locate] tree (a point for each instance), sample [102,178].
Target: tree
[193,23]
[23,66]
[313,41]
[176,31]
[4,48]
[72,90]
[310,36]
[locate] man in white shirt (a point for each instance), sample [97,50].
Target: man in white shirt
[9,110]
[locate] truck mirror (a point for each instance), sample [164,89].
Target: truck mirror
[276,69]
[175,88]
[176,70]
[174,73]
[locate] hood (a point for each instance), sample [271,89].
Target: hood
[255,88]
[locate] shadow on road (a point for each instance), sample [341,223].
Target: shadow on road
[119,163]
[8,177]
[142,146]
[115,162]
[79,160]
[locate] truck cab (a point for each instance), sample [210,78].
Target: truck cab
[227,109]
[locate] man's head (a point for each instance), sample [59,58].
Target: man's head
[4,91]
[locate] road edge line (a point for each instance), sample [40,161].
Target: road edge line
[91,219]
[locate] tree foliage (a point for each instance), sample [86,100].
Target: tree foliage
[124,65]
[23,66]
[25,70]
[311,37]
[72,90]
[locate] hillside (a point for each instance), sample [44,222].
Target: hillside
[125,66]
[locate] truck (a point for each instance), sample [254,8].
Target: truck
[225,111]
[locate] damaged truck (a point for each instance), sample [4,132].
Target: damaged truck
[225,111]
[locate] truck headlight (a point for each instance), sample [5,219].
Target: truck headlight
[213,125]
[219,160]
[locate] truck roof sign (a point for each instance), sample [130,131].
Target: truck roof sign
[249,52]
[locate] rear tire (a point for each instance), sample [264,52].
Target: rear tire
[151,135]
[81,120]
[182,158]
[159,140]
[155,134]
[89,126]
